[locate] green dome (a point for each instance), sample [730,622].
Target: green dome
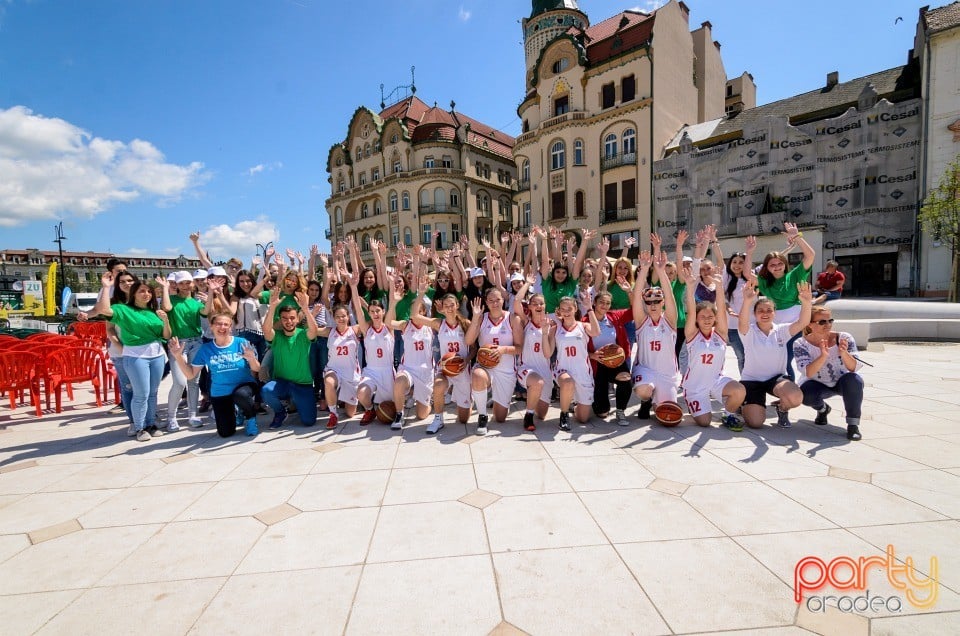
[542,6]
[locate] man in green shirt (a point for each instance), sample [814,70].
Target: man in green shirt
[291,361]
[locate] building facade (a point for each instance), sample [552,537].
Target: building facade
[420,175]
[601,102]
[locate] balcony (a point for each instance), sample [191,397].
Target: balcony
[562,119]
[523,185]
[439,209]
[618,215]
[622,159]
[484,214]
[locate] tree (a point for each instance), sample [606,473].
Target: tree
[940,217]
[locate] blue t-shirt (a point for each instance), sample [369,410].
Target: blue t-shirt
[228,369]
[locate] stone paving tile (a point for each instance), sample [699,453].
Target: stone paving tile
[197,469]
[26,613]
[769,510]
[646,515]
[617,604]
[432,483]
[54,531]
[281,603]
[775,462]
[938,623]
[500,448]
[931,451]
[348,458]
[276,464]
[241,497]
[604,472]
[46,509]
[378,611]
[10,544]
[940,539]
[32,478]
[328,491]
[540,521]
[935,489]
[161,608]
[116,472]
[702,468]
[428,530]
[146,504]
[431,452]
[527,477]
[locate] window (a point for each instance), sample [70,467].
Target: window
[479,168]
[397,167]
[454,199]
[454,232]
[578,152]
[394,139]
[506,177]
[483,202]
[363,178]
[526,126]
[629,141]
[393,201]
[560,65]
[578,204]
[428,162]
[557,152]
[376,146]
[395,237]
[405,200]
[341,186]
[525,171]
[375,174]
[427,234]
[608,95]
[499,176]
[441,242]
[378,237]
[486,171]
[440,199]
[359,153]
[526,215]
[364,211]
[628,88]
[503,209]
[610,146]
[729,90]
[558,205]
[628,194]
[339,161]
[561,105]
[446,162]
[407,236]
[366,150]
[377,207]
[365,243]
[609,202]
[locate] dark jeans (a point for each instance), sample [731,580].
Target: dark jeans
[601,388]
[301,394]
[850,386]
[243,397]
[318,362]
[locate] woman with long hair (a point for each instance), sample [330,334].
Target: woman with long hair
[416,370]
[570,338]
[533,369]
[734,279]
[378,374]
[828,365]
[245,307]
[185,312]
[318,348]
[612,324]
[143,328]
[498,331]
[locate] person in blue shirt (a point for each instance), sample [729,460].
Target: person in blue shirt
[231,361]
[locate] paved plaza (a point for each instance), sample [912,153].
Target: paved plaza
[603,530]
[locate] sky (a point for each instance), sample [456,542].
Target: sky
[136,123]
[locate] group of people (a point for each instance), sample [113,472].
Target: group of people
[541,319]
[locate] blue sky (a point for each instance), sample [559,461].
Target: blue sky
[136,122]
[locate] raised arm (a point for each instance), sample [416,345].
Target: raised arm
[669,302]
[102,308]
[639,311]
[304,303]
[164,286]
[588,235]
[690,303]
[806,303]
[795,238]
[750,294]
[517,308]
[268,331]
[473,331]
[201,253]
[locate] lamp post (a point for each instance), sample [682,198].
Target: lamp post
[60,238]
[263,250]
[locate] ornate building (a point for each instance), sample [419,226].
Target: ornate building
[600,104]
[412,170]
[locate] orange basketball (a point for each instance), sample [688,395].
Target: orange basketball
[386,411]
[611,355]
[452,364]
[669,413]
[488,357]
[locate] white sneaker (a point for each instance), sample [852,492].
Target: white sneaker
[172,426]
[195,421]
[143,436]
[622,418]
[435,426]
[131,431]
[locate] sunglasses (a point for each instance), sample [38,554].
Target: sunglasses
[827,321]
[655,301]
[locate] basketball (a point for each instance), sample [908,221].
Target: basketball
[611,355]
[452,364]
[488,357]
[386,411]
[669,413]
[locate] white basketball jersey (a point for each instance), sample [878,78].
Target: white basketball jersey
[342,349]
[417,347]
[499,334]
[378,347]
[655,347]
[452,340]
[705,357]
[572,351]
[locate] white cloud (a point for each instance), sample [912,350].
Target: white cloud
[136,251]
[52,169]
[463,14]
[240,240]
[649,6]
[264,167]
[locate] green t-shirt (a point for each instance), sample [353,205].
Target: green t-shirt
[553,292]
[619,298]
[381,296]
[286,300]
[291,356]
[137,326]
[185,317]
[679,289]
[403,305]
[783,291]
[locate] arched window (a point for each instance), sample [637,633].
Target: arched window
[377,207]
[578,152]
[455,199]
[483,202]
[440,199]
[424,198]
[394,138]
[525,171]
[405,200]
[557,155]
[629,141]
[610,146]
[407,236]
[378,236]
[366,150]
[393,201]
[364,211]
[578,204]
[359,153]
[338,215]
[365,243]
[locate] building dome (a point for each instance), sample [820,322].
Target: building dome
[542,6]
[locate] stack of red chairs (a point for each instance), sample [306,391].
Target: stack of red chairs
[18,374]
[67,366]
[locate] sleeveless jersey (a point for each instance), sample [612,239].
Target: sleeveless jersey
[498,334]
[532,353]
[378,348]
[417,347]
[452,340]
[705,357]
[343,349]
[572,351]
[655,347]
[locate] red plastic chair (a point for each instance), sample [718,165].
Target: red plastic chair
[40,349]
[93,332]
[18,374]
[41,335]
[74,364]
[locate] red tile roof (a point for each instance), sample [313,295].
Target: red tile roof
[616,34]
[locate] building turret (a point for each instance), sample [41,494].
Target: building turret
[548,19]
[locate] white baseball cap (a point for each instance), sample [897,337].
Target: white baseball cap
[516,276]
[200,273]
[216,270]
[182,276]
[477,271]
